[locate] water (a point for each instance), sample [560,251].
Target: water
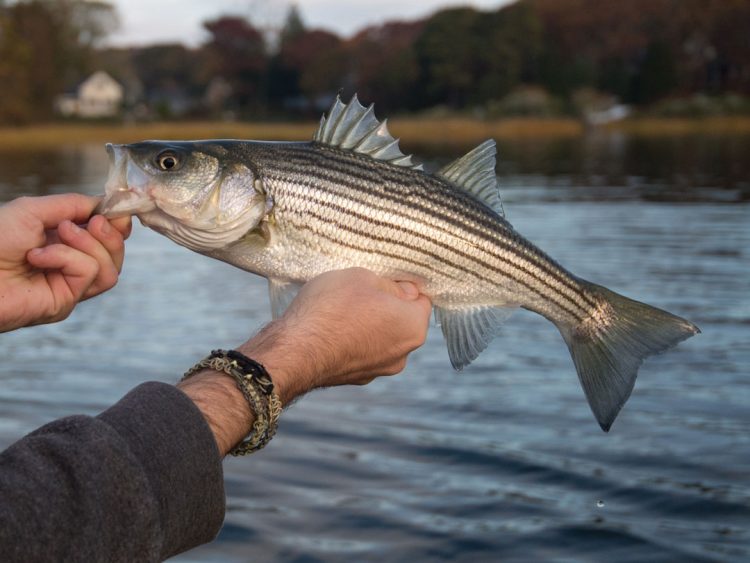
[501,462]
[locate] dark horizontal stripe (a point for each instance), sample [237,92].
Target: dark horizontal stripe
[439,258]
[366,250]
[492,240]
[354,172]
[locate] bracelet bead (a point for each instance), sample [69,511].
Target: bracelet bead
[256,386]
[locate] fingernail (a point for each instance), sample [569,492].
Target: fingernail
[409,289]
[36,251]
[106,227]
[74,228]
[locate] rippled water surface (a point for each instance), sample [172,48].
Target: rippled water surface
[501,462]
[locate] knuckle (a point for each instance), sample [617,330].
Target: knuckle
[110,279]
[89,269]
[398,366]
[419,338]
[360,274]
[113,243]
[124,227]
[416,341]
[62,312]
[23,201]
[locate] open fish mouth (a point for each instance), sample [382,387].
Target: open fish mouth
[290,211]
[123,203]
[124,192]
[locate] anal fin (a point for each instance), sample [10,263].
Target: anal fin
[468,331]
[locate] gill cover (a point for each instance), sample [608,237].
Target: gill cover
[188,191]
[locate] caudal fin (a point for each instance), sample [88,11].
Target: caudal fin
[609,347]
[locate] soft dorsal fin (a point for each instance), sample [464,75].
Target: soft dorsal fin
[354,127]
[475,173]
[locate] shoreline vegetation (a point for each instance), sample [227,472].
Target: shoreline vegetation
[434,133]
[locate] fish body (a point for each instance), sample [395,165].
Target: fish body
[291,211]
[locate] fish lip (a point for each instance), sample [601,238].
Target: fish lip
[121,199]
[123,203]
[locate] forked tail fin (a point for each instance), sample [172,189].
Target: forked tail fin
[609,346]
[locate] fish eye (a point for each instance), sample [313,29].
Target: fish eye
[167,160]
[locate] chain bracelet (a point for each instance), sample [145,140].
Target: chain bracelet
[256,386]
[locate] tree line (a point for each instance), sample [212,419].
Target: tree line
[637,51]
[45,45]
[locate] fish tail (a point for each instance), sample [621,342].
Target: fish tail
[610,344]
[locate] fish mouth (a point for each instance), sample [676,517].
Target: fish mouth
[125,191]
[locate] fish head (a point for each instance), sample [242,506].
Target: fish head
[193,192]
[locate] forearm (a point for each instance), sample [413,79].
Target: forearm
[343,328]
[146,469]
[222,403]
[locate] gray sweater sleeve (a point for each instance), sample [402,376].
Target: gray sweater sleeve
[142,481]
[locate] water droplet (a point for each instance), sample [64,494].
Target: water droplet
[600,504]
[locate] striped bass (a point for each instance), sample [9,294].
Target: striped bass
[290,211]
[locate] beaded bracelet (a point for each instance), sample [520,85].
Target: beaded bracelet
[256,386]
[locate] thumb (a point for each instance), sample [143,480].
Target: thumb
[408,290]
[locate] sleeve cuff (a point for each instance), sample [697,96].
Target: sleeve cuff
[167,433]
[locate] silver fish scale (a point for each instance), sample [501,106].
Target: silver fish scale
[290,211]
[335,209]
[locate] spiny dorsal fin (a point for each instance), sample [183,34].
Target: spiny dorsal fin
[475,173]
[354,127]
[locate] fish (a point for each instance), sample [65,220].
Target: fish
[289,211]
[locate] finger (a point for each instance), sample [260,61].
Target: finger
[408,290]
[418,321]
[53,209]
[82,240]
[51,237]
[425,305]
[124,225]
[70,272]
[403,289]
[111,239]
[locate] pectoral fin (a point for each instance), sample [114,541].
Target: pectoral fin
[281,293]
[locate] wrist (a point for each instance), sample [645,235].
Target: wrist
[287,360]
[284,358]
[223,406]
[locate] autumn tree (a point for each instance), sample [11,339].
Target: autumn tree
[446,55]
[283,75]
[383,65]
[644,50]
[469,57]
[236,52]
[507,51]
[15,60]
[314,64]
[46,47]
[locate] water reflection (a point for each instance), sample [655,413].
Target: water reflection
[683,168]
[42,172]
[501,462]
[601,165]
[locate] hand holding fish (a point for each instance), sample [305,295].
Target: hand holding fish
[290,211]
[48,263]
[344,327]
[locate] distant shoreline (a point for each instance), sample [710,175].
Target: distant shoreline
[434,133]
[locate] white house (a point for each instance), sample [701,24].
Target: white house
[99,95]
